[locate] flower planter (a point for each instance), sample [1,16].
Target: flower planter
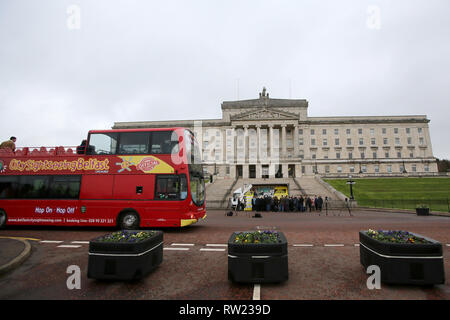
[423,211]
[128,259]
[404,263]
[257,262]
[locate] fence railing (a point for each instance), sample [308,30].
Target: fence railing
[442,205]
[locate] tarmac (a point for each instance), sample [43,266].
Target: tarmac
[13,252]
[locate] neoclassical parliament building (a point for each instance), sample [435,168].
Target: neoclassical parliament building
[275,138]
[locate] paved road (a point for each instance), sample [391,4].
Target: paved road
[323,260]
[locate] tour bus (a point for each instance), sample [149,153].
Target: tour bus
[129,178]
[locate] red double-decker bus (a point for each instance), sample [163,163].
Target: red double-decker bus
[129,178]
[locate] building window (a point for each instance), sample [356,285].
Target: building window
[327,169]
[411,154]
[348,131]
[300,141]
[363,155]
[419,130]
[421,141]
[389,169]
[377,169]
[361,141]
[383,130]
[325,142]
[350,155]
[313,156]
[336,131]
[313,142]
[408,130]
[324,131]
[374,155]
[300,132]
[338,155]
[409,140]
[427,168]
[372,131]
[395,130]
[352,169]
[336,142]
[399,154]
[359,131]
[414,168]
[312,132]
[386,155]
[349,142]
[397,141]
[364,169]
[339,169]
[385,141]
[373,141]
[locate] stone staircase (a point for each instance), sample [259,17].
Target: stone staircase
[218,192]
[310,186]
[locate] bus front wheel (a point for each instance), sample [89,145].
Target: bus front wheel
[2,219]
[129,220]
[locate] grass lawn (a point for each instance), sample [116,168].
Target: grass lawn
[401,193]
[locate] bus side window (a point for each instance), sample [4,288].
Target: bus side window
[170,188]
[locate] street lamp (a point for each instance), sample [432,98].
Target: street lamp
[351,183]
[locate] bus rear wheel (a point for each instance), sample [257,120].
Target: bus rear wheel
[129,220]
[2,218]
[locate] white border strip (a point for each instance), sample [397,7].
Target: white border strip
[124,254]
[177,249]
[212,249]
[257,292]
[183,244]
[303,245]
[50,241]
[401,257]
[69,246]
[334,245]
[216,245]
[79,242]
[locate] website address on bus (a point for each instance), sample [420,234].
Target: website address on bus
[52,220]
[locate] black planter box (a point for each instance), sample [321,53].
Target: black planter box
[257,263]
[124,261]
[423,211]
[404,263]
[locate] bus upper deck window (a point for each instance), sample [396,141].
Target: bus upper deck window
[102,143]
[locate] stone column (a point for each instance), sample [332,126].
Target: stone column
[246,145]
[295,141]
[283,143]
[258,143]
[270,142]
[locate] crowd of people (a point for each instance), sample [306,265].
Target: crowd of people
[286,203]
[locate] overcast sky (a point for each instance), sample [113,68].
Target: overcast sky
[70,66]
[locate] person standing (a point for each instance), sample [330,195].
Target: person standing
[9,144]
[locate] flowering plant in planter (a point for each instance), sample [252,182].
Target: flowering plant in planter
[263,237]
[396,236]
[127,236]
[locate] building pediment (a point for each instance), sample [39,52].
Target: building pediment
[265,114]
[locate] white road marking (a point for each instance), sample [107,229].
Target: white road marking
[334,245]
[80,242]
[356,244]
[257,292]
[51,241]
[216,245]
[303,245]
[183,244]
[69,246]
[177,249]
[210,249]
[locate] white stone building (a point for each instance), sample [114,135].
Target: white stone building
[273,138]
